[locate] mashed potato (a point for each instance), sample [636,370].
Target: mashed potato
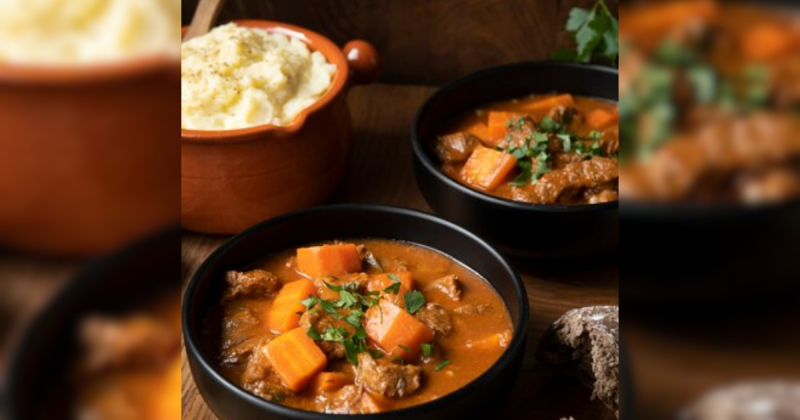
[71,32]
[236,77]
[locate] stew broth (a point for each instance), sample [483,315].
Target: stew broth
[479,330]
[541,149]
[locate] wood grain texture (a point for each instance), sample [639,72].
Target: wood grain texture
[426,41]
[381,173]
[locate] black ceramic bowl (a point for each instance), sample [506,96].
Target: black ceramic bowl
[230,402]
[697,254]
[518,229]
[38,386]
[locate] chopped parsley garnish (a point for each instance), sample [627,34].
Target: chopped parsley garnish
[395,287]
[313,333]
[442,365]
[404,348]
[310,302]
[427,349]
[414,300]
[336,334]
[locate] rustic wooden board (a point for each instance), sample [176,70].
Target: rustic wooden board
[426,41]
[381,173]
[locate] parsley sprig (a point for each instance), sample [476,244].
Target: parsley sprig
[596,32]
[532,157]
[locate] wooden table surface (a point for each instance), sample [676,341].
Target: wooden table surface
[381,173]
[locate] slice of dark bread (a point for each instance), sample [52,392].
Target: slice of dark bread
[773,400]
[585,342]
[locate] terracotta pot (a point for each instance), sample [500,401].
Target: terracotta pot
[233,179]
[86,162]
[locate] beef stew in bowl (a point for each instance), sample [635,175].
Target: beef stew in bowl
[358,327]
[568,226]
[542,149]
[415,248]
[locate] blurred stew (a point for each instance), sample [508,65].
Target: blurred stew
[542,149]
[709,93]
[131,365]
[352,328]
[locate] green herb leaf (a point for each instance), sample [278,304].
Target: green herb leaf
[346,300]
[525,175]
[310,302]
[334,334]
[405,349]
[354,317]
[442,365]
[395,287]
[329,307]
[577,18]
[427,349]
[414,300]
[596,33]
[548,125]
[566,141]
[376,354]
[313,333]
[351,352]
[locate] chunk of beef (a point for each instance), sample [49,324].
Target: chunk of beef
[456,147]
[241,331]
[470,309]
[604,196]
[573,177]
[565,115]
[321,321]
[344,401]
[383,377]
[369,258]
[353,399]
[135,341]
[449,285]
[520,131]
[250,283]
[436,318]
[260,379]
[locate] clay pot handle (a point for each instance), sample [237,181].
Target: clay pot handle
[363,61]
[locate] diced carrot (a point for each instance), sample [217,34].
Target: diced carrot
[663,16]
[600,118]
[766,41]
[328,260]
[491,342]
[548,103]
[373,403]
[295,358]
[396,331]
[479,129]
[283,315]
[486,168]
[497,126]
[379,282]
[331,381]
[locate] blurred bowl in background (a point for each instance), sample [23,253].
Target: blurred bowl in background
[232,179]
[519,229]
[86,163]
[41,384]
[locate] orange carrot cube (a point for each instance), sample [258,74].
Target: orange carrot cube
[295,358]
[486,168]
[283,315]
[396,331]
[328,260]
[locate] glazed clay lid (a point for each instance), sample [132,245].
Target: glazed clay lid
[360,54]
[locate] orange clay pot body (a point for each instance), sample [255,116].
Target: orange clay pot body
[233,179]
[86,163]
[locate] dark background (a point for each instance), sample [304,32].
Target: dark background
[429,42]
